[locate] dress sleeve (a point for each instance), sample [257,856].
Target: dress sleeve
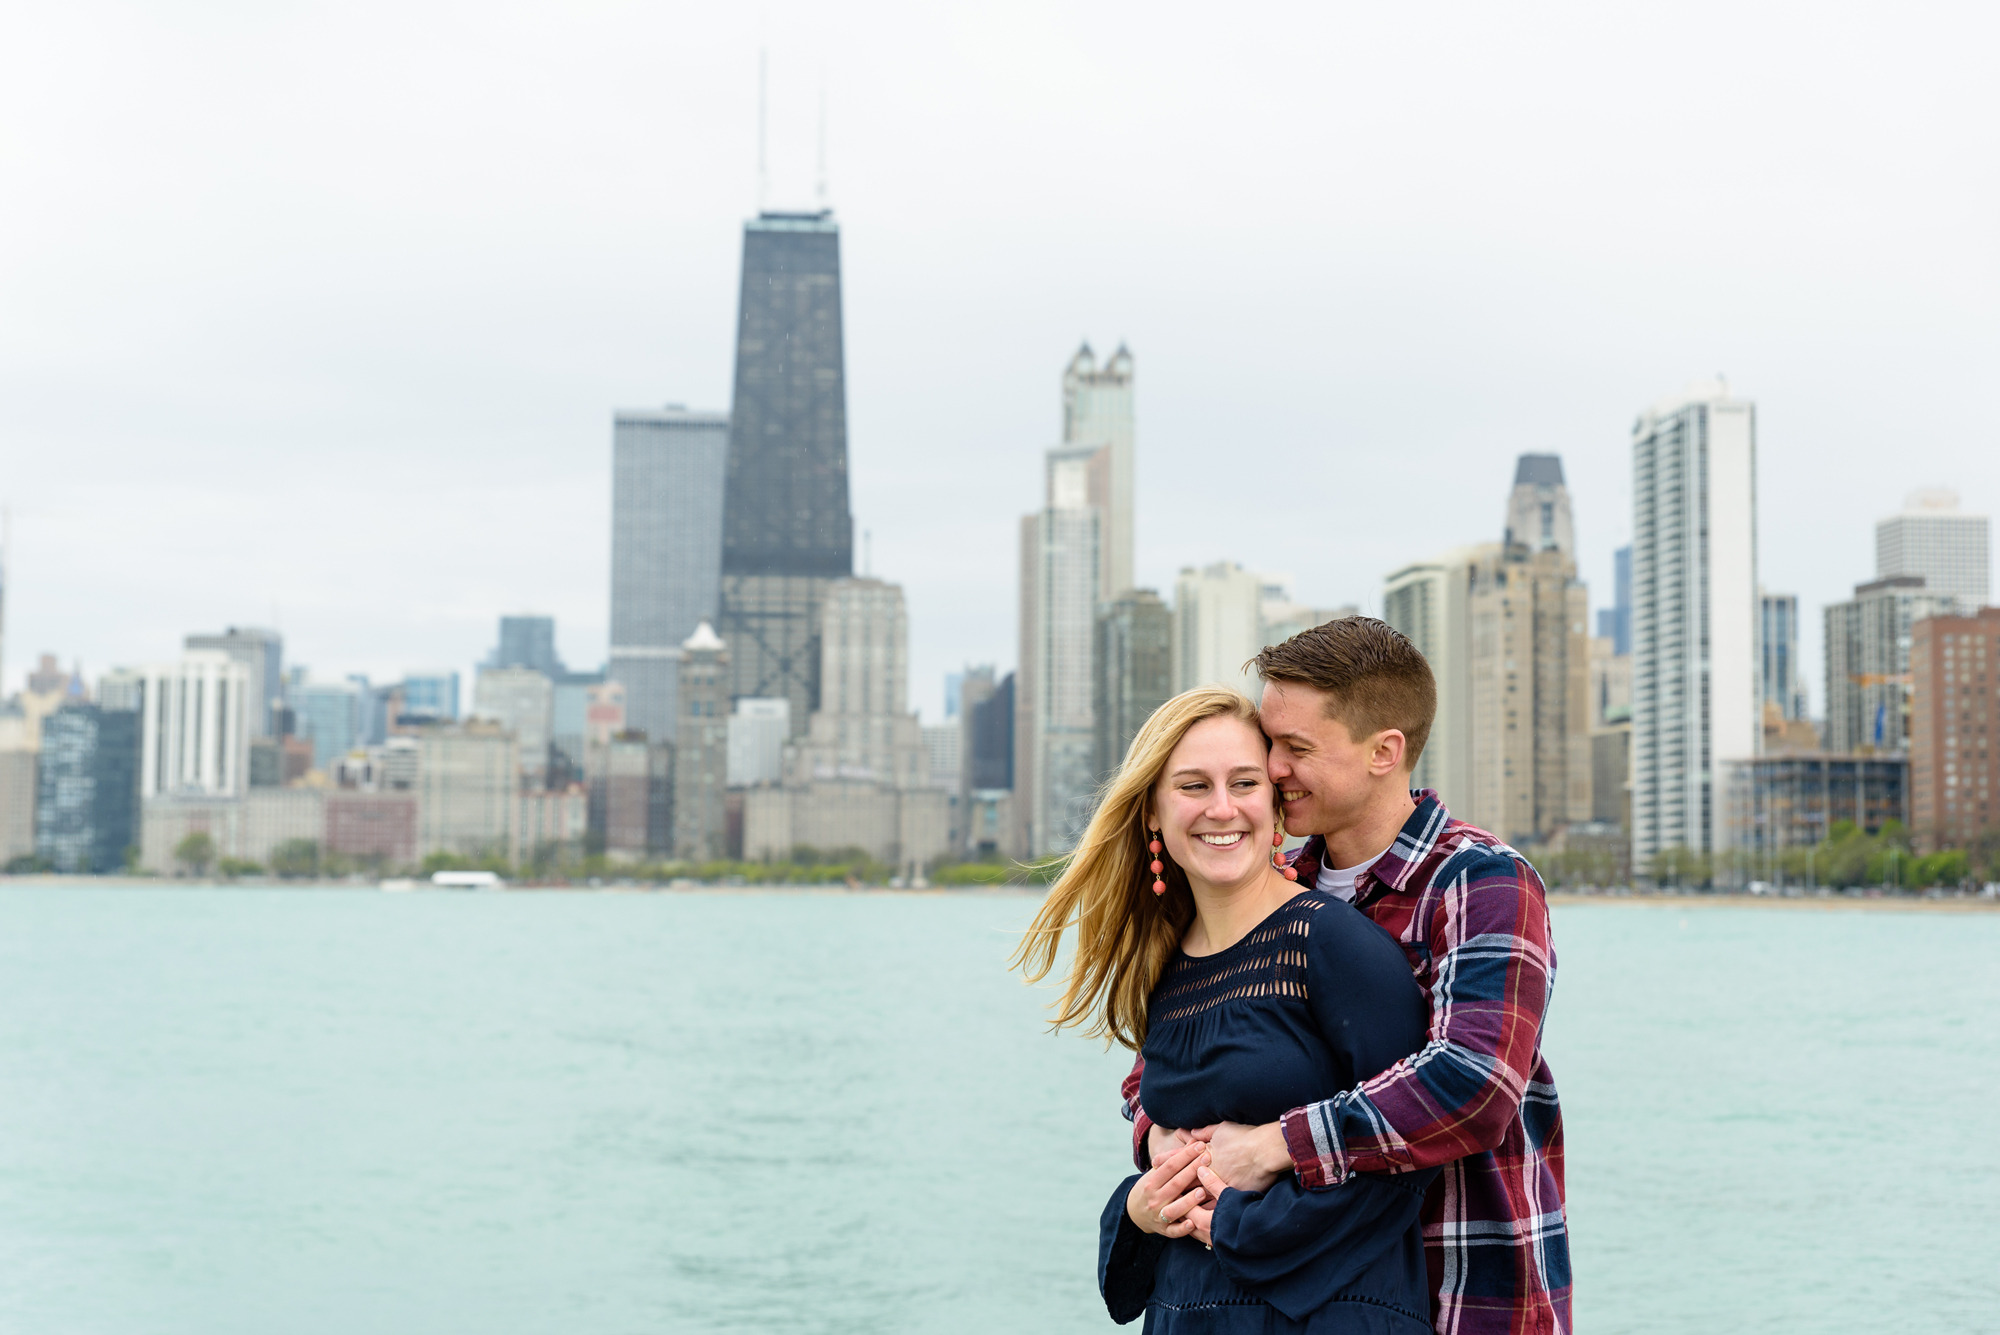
[1296,1249]
[1126,1258]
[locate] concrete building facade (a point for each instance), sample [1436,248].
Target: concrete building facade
[861,776]
[469,782]
[262,654]
[1528,667]
[1218,626]
[1933,539]
[1430,603]
[522,701]
[1097,415]
[701,748]
[1133,666]
[196,726]
[1055,693]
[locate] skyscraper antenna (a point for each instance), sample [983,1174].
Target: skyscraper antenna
[822,140]
[763,98]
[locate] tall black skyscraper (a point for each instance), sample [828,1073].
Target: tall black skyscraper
[786,527]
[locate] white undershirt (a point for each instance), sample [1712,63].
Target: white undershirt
[1339,881]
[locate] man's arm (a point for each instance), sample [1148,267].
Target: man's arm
[1141,1124]
[1493,967]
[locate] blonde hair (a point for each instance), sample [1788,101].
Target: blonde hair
[1125,934]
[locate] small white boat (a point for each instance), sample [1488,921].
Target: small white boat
[467,880]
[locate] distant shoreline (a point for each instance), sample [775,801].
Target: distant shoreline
[1738,900]
[1646,899]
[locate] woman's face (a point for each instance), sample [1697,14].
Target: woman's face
[1213,806]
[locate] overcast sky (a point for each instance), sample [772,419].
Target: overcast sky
[316,315]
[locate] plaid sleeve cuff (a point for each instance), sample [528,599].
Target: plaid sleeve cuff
[1317,1156]
[1142,1126]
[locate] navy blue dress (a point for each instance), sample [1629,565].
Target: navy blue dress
[1314,1000]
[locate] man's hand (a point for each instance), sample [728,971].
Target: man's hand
[1163,1200]
[1248,1158]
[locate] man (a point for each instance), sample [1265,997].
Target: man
[1348,706]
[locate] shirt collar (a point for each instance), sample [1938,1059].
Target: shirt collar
[1397,866]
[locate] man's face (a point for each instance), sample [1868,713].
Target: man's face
[1325,775]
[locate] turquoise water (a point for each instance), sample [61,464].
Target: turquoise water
[246,1110]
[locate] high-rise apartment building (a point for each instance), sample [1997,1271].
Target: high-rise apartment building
[1055,690]
[1695,670]
[87,799]
[1779,683]
[1868,662]
[1955,729]
[196,726]
[1218,627]
[786,528]
[667,469]
[1933,539]
[1097,413]
[1528,670]
[1429,602]
[701,748]
[1538,514]
[262,653]
[1134,666]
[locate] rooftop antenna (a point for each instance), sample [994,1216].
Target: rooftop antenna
[763,97]
[822,140]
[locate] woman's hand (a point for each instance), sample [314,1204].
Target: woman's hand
[1203,1216]
[1163,1200]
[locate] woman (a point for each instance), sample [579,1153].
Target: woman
[1248,995]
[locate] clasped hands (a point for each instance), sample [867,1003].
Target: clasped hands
[1191,1170]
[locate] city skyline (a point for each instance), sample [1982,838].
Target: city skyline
[259,367]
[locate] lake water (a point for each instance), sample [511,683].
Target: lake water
[256,1110]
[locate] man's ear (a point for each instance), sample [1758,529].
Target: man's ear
[1386,757]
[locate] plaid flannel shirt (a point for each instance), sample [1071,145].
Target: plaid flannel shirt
[1478,1099]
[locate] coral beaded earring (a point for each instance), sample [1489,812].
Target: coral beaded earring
[1153,847]
[1277,857]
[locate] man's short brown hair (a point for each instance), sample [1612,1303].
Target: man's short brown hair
[1374,678]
